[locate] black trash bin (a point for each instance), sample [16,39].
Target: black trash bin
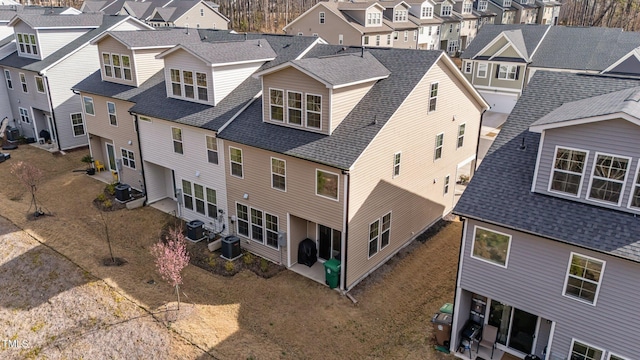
[195,231]
[442,328]
[231,247]
[123,192]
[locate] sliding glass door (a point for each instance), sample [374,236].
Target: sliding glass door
[516,328]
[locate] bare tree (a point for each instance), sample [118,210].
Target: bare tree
[29,176]
[171,258]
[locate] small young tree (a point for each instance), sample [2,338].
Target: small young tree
[171,258]
[29,176]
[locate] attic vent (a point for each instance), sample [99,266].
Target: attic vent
[634,97]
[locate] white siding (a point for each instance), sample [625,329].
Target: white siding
[182,60]
[227,78]
[49,41]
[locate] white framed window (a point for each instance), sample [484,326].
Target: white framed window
[7,78]
[27,44]
[406,35]
[126,67]
[385,234]
[235,159]
[176,136]
[187,194]
[24,115]
[461,130]
[176,86]
[314,111]
[106,61]
[608,178]
[294,107]
[396,164]
[426,12]
[388,39]
[117,66]
[321,14]
[257,225]
[128,158]
[365,40]
[584,275]
[491,246]
[374,18]
[452,46]
[40,84]
[508,72]
[88,105]
[340,39]
[613,356]
[634,199]
[271,227]
[377,40]
[415,35]
[445,189]
[439,144]
[201,83]
[433,97]
[198,193]
[468,67]
[400,15]
[466,8]
[187,83]
[212,201]
[374,235]
[201,12]
[327,184]
[445,10]
[212,149]
[23,81]
[568,170]
[482,70]
[77,123]
[276,104]
[482,6]
[584,351]
[242,216]
[429,32]
[507,3]
[278,174]
[111,109]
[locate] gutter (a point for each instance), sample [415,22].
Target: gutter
[343,250]
[53,114]
[478,142]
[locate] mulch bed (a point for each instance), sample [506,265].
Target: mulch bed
[110,203]
[201,257]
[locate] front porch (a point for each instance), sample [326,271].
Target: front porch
[315,272]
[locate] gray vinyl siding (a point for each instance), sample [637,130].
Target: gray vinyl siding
[23,28]
[534,282]
[504,83]
[227,78]
[621,139]
[32,100]
[628,66]
[5,104]
[53,40]
[329,31]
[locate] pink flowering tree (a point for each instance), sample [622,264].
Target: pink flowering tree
[171,258]
[29,176]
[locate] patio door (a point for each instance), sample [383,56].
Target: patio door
[329,243]
[516,328]
[111,154]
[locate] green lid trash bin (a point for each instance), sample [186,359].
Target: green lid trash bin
[447,308]
[332,273]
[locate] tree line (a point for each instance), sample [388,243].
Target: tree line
[607,13]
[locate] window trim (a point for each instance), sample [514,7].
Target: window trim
[37,87]
[321,17]
[507,72]
[426,14]
[84,129]
[231,162]
[445,186]
[114,114]
[7,79]
[574,340]
[267,230]
[215,141]
[183,85]
[282,106]
[433,97]
[388,230]
[130,157]
[301,108]
[189,194]
[93,107]
[486,68]
[624,182]
[634,184]
[599,285]
[449,9]
[23,82]
[377,240]
[468,67]
[460,142]
[208,203]
[25,114]
[437,157]
[248,220]
[584,169]
[271,159]
[473,244]
[610,354]
[397,161]
[174,141]
[306,112]
[337,198]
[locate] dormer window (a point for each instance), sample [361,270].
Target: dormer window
[568,170]
[506,3]
[634,202]
[482,5]
[116,66]
[374,18]
[466,8]
[426,12]
[27,44]
[314,111]
[182,84]
[400,15]
[446,10]
[608,178]
[276,104]
[294,107]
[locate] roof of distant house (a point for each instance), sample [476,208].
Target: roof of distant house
[62,21]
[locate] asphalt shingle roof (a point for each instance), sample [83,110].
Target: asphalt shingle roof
[343,69]
[355,132]
[232,51]
[7,12]
[55,20]
[531,34]
[159,37]
[500,191]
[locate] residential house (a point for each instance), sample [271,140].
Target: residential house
[422,14]
[502,58]
[469,22]
[550,254]
[343,160]
[505,13]
[450,26]
[628,65]
[396,16]
[548,11]
[527,11]
[164,13]
[484,14]
[53,52]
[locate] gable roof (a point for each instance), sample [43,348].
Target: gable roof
[7,12]
[336,7]
[141,39]
[216,53]
[532,35]
[500,191]
[40,21]
[169,10]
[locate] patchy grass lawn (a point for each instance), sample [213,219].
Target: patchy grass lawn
[240,317]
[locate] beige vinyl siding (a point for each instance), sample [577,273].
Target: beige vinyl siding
[182,60]
[293,80]
[144,64]
[416,197]
[193,18]
[510,52]
[343,100]
[98,126]
[112,46]
[485,81]
[329,31]
[505,83]
[52,40]
[227,78]
[495,47]
[299,200]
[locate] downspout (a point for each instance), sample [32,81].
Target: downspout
[53,114]
[343,251]
[144,178]
[456,294]
[475,167]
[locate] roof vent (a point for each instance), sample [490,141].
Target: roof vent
[634,97]
[259,43]
[523,146]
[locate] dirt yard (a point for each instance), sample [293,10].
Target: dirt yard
[65,303]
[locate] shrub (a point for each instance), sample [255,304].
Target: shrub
[111,189]
[248,258]
[211,260]
[101,197]
[107,203]
[264,265]
[229,266]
